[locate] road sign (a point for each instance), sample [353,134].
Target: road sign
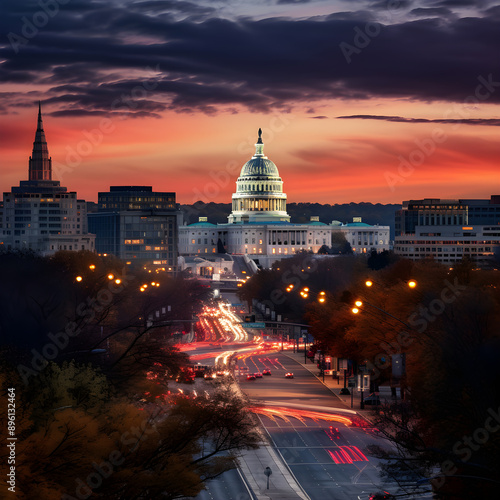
[253,325]
[351,382]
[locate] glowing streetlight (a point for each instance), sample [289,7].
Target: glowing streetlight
[369,283]
[355,310]
[111,276]
[79,278]
[92,267]
[412,283]
[358,303]
[118,281]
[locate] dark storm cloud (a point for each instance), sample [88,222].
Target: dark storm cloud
[493,12]
[391,4]
[431,11]
[284,2]
[492,122]
[126,58]
[172,5]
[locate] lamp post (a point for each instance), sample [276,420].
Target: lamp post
[357,309]
[268,472]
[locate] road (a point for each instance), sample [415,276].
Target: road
[307,425]
[324,444]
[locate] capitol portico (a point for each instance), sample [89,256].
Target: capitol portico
[259,226]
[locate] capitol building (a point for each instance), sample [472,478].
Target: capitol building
[259,226]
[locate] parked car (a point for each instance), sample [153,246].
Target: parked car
[289,375]
[250,376]
[267,371]
[372,399]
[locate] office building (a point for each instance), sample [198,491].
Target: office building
[40,214]
[137,225]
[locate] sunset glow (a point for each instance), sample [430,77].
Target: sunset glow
[172,97]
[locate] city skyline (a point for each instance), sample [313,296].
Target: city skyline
[387,102]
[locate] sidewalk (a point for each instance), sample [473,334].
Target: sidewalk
[282,484]
[253,463]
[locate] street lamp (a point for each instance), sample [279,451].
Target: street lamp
[411,283]
[357,309]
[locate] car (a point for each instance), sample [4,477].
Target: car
[258,375]
[250,376]
[289,375]
[372,399]
[209,376]
[382,496]
[267,371]
[334,432]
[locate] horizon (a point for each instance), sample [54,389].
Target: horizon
[384,101]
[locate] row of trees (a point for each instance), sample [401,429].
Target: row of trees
[447,328]
[90,359]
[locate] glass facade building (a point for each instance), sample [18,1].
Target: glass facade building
[138,225]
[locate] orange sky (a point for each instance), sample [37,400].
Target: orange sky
[186,85]
[325,160]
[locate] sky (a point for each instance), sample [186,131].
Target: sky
[359,101]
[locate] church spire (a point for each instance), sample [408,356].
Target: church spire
[40,164]
[40,123]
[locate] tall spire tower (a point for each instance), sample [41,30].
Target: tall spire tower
[40,164]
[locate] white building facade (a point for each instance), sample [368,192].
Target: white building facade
[448,230]
[449,244]
[259,225]
[363,237]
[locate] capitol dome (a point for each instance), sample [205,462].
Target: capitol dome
[259,165]
[259,191]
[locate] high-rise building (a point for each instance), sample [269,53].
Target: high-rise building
[137,225]
[40,214]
